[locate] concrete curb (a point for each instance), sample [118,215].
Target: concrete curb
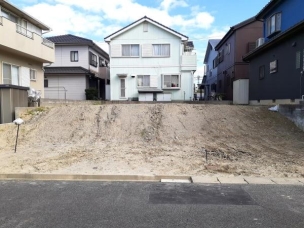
[155,178]
[79,177]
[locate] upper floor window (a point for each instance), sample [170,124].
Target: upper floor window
[74,56]
[102,62]
[215,62]
[274,24]
[221,56]
[7,14]
[161,50]
[32,75]
[143,80]
[171,81]
[131,50]
[93,59]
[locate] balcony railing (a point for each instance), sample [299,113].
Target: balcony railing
[47,43]
[30,35]
[24,31]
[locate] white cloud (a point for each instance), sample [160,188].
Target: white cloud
[170,4]
[65,20]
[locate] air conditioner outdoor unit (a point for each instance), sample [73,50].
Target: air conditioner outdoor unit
[259,42]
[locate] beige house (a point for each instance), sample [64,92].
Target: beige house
[23,51]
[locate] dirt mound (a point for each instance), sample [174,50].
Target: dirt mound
[171,139]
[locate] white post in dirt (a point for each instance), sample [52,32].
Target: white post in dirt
[18,122]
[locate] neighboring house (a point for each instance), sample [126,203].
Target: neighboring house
[23,51]
[277,64]
[150,61]
[210,77]
[79,64]
[237,42]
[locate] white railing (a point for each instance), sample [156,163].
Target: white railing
[24,31]
[47,43]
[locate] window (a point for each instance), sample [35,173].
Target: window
[171,81]
[131,50]
[10,74]
[298,60]
[93,59]
[32,75]
[161,50]
[273,66]
[143,80]
[46,83]
[8,15]
[215,62]
[221,56]
[102,62]
[262,72]
[274,24]
[74,56]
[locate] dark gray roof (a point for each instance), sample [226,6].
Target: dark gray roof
[145,17]
[66,70]
[211,45]
[214,42]
[76,40]
[69,39]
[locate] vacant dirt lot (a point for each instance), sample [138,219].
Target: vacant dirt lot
[170,139]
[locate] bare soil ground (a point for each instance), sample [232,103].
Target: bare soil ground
[154,139]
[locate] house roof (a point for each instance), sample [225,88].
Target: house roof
[266,8]
[233,29]
[9,6]
[275,40]
[69,39]
[211,44]
[66,70]
[145,18]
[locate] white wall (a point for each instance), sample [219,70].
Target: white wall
[63,56]
[155,66]
[75,86]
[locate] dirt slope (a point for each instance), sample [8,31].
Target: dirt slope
[154,139]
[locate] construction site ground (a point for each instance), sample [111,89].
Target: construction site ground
[153,139]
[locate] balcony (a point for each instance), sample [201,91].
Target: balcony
[189,61]
[16,39]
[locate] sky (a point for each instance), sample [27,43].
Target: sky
[200,20]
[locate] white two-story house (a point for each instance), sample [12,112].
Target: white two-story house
[23,51]
[151,62]
[79,64]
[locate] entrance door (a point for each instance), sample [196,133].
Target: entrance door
[122,88]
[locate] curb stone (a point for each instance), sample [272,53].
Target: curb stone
[155,178]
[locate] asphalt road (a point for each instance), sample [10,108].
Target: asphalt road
[122,204]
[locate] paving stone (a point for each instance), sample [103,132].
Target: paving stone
[205,180]
[291,181]
[258,180]
[232,180]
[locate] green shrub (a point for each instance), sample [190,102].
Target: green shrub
[91,94]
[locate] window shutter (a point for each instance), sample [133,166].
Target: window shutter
[153,81]
[147,50]
[25,77]
[115,50]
